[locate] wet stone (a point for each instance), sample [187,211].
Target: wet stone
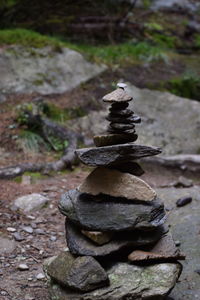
[120,245]
[110,214]
[110,155]
[120,113]
[82,273]
[114,139]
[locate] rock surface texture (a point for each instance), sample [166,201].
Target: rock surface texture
[117,218]
[51,72]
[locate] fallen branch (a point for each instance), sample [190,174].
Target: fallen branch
[184,162]
[46,127]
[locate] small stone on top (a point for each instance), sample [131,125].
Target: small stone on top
[122,85]
[119,95]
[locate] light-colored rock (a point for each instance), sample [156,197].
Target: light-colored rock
[45,71]
[23,267]
[31,202]
[98,237]
[128,282]
[117,184]
[161,113]
[6,245]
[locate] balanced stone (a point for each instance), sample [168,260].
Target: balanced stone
[121,126]
[82,273]
[120,113]
[121,244]
[100,214]
[118,131]
[117,184]
[129,167]
[119,95]
[118,106]
[100,238]
[128,281]
[108,155]
[165,250]
[128,120]
[114,139]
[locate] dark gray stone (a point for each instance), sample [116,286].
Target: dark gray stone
[121,244]
[120,113]
[114,139]
[121,126]
[110,214]
[81,273]
[108,155]
[128,282]
[125,120]
[183,201]
[129,167]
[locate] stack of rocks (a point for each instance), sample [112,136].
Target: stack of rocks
[118,245]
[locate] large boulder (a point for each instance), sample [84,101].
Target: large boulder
[112,215]
[128,282]
[44,71]
[162,113]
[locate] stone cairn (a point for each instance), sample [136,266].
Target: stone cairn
[119,247]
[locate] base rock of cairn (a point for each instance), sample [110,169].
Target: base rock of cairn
[119,247]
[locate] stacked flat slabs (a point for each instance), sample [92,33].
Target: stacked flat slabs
[118,244]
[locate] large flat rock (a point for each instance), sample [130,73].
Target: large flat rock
[110,155]
[185,227]
[161,113]
[112,215]
[44,71]
[128,282]
[116,184]
[121,244]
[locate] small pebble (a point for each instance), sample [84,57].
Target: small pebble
[31,217]
[39,231]
[40,276]
[11,229]
[23,267]
[183,201]
[177,243]
[18,237]
[27,229]
[53,238]
[3,293]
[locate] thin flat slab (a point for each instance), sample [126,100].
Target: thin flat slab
[104,156]
[121,244]
[119,95]
[114,139]
[165,251]
[110,214]
[116,184]
[128,281]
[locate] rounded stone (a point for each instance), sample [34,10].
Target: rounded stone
[121,126]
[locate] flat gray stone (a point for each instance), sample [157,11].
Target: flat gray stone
[110,214]
[128,282]
[121,244]
[104,156]
[31,202]
[82,273]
